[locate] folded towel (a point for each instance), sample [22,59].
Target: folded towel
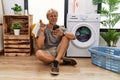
[36,29]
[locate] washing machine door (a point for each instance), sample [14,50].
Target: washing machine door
[85,35]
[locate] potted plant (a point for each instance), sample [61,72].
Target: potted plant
[111,18]
[16,26]
[17,9]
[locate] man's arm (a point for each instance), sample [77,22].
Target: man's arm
[41,37]
[69,35]
[40,40]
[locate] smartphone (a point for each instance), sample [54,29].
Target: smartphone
[55,27]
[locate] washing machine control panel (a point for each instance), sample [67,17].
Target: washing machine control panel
[72,17]
[83,17]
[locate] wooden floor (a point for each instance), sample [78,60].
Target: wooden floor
[30,68]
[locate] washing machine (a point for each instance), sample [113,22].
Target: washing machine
[86,29]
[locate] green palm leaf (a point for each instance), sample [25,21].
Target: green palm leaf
[111,18]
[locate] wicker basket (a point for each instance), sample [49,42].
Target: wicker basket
[106,57]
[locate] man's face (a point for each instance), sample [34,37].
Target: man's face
[52,17]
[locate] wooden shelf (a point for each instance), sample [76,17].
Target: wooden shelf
[19,45]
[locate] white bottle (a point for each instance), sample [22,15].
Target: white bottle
[26,12]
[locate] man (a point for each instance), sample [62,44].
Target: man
[52,41]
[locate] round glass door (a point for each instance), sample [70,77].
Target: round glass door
[85,35]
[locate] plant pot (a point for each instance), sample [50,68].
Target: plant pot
[16,31]
[17,12]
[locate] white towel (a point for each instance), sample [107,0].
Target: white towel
[36,29]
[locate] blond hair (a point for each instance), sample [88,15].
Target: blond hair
[51,11]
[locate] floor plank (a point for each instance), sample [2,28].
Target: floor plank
[30,68]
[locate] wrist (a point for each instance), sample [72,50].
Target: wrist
[63,34]
[41,33]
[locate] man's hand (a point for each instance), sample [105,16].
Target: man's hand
[58,32]
[42,26]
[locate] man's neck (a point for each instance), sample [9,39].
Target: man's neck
[50,26]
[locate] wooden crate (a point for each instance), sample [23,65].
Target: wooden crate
[25,21]
[19,45]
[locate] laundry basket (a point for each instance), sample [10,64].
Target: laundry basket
[106,57]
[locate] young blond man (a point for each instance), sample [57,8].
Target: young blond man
[53,41]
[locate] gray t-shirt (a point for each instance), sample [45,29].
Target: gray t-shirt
[50,39]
